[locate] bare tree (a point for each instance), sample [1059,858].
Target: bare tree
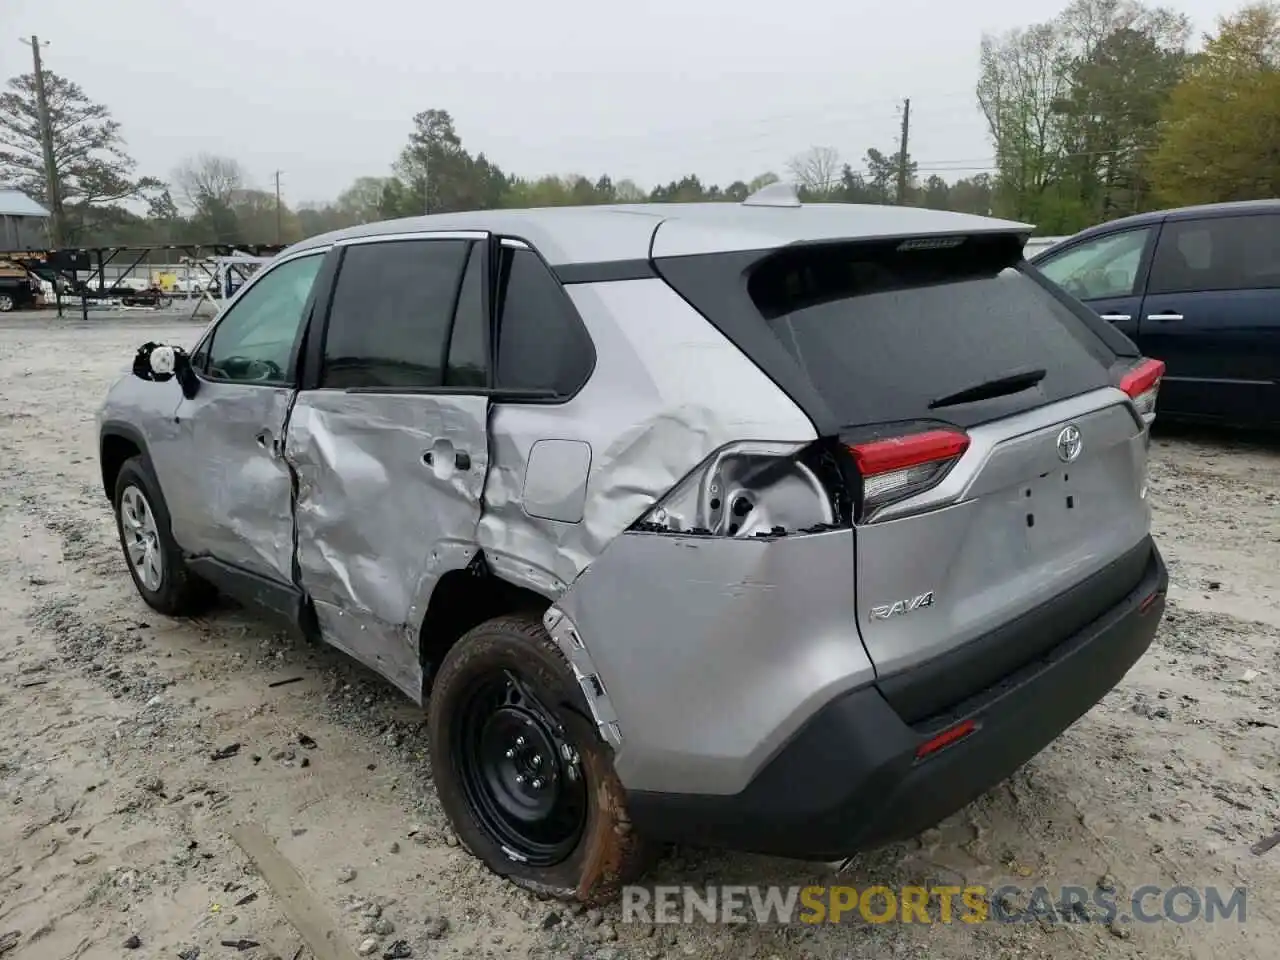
[207,180]
[817,170]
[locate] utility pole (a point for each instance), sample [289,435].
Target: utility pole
[426,179]
[902,153]
[278,232]
[52,187]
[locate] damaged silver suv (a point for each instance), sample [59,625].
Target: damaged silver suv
[775,527]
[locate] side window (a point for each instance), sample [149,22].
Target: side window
[1226,253]
[390,316]
[469,343]
[254,341]
[1106,267]
[542,344]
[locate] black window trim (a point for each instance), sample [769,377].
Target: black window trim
[292,378]
[319,321]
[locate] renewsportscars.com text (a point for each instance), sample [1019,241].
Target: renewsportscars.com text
[939,904]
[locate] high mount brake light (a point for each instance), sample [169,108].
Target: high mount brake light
[1142,384]
[899,467]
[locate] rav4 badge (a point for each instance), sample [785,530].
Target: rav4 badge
[901,607]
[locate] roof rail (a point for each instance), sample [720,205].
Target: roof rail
[780,193]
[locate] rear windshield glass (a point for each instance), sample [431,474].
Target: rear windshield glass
[883,332]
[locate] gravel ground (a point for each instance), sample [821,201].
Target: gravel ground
[133,742]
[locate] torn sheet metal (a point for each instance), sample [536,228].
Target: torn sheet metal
[565,634]
[668,389]
[713,652]
[388,501]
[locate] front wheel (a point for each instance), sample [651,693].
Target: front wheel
[6,302]
[521,771]
[154,558]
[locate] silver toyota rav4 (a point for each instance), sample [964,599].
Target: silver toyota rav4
[775,527]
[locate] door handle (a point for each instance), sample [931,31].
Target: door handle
[1116,317]
[1164,316]
[461,459]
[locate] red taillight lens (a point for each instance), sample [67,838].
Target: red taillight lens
[898,467]
[1142,384]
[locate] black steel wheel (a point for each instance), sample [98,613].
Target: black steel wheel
[521,776]
[521,770]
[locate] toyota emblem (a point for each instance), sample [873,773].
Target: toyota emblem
[1069,444]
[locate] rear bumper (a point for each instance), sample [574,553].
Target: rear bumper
[850,779]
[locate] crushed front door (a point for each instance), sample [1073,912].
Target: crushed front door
[390,475]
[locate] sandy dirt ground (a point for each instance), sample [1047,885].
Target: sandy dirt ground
[131,745]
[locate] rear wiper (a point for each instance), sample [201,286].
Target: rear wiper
[988,389]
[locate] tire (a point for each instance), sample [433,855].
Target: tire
[177,592]
[6,302]
[515,652]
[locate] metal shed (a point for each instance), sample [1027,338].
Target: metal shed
[23,222]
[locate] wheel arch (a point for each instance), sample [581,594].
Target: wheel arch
[464,598]
[117,443]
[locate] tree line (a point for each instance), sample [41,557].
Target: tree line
[1104,110]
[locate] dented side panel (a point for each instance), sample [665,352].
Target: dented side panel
[668,390]
[233,491]
[388,501]
[712,652]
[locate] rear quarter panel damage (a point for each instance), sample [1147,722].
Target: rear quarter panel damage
[668,390]
[714,651]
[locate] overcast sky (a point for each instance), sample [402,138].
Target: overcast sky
[325,89]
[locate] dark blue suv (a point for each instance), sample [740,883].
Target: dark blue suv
[1197,287]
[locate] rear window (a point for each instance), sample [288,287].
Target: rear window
[884,330]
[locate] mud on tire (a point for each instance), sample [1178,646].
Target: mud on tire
[501,675]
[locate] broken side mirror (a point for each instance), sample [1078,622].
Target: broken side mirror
[160,362]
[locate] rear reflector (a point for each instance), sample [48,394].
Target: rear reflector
[899,467]
[945,738]
[1142,384]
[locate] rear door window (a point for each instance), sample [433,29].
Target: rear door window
[1223,253]
[389,322]
[883,330]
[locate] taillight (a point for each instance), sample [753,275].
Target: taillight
[1142,384]
[899,467]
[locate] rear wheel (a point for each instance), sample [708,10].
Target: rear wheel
[154,559]
[521,772]
[6,302]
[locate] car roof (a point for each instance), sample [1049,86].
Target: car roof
[607,233]
[1231,208]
